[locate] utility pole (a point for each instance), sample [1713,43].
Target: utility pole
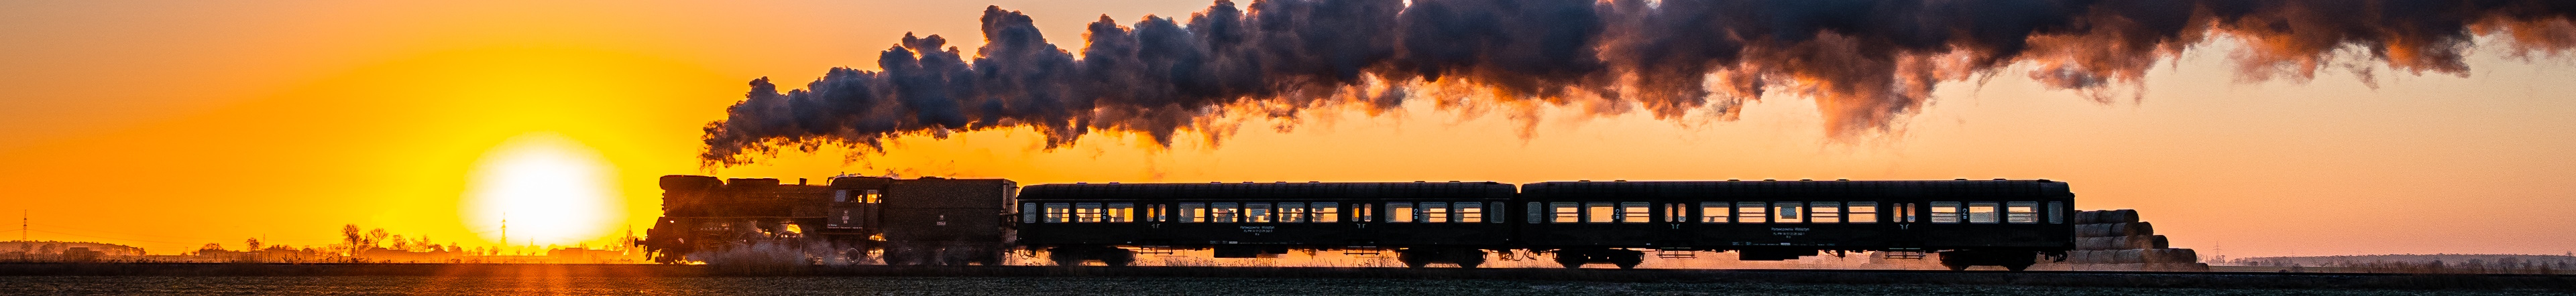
[25,248]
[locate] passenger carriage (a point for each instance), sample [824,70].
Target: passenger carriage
[2001,222]
[1423,221]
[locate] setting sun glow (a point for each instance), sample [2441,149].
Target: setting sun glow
[552,189]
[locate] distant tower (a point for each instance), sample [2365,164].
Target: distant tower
[505,229]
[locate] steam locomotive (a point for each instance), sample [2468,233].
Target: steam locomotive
[2008,223]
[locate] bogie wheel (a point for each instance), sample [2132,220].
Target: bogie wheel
[1066,257]
[1469,258]
[1414,258]
[1955,267]
[1629,261]
[2017,267]
[1569,260]
[1120,258]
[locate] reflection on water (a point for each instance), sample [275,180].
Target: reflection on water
[82,285]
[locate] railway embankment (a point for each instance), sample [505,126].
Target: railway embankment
[2260,280]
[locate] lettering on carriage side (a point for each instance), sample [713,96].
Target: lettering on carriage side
[1789,231]
[1258,229]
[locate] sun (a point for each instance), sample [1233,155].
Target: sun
[550,188]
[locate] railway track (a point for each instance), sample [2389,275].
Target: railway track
[2280,280]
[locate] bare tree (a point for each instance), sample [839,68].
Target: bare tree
[351,233]
[253,243]
[376,237]
[211,247]
[400,244]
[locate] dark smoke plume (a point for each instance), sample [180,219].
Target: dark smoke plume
[1865,63]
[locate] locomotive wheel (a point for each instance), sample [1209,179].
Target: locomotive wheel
[2017,267]
[1954,267]
[896,256]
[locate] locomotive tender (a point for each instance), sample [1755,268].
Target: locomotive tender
[2008,223]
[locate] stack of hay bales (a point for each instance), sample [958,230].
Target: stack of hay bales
[2118,240]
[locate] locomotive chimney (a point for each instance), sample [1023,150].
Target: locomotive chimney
[800,181]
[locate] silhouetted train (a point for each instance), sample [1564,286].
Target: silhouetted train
[2009,223]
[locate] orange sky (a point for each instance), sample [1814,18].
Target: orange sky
[168,125]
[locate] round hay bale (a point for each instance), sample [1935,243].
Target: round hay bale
[2155,242]
[2129,229]
[2084,257]
[2087,217]
[2170,256]
[2096,243]
[2119,216]
[2096,230]
[2181,256]
[2128,256]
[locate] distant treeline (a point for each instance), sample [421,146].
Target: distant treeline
[57,248]
[2429,263]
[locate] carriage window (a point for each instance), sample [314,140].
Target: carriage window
[1326,212]
[1224,212]
[1566,212]
[1788,212]
[1635,212]
[2056,213]
[1534,212]
[1258,212]
[1120,213]
[840,196]
[1713,212]
[1292,212]
[1471,212]
[1825,212]
[869,196]
[2021,212]
[1088,212]
[1599,212]
[1863,212]
[1029,213]
[1193,212]
[1435,212]
[1498,209]
[1676,213]
[1153,213]
[1981,212]
[1363,213]
[1752,212]
[1399,212]
[1056,212]
[1945,212]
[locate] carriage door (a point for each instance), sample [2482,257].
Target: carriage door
[1676,218]
[1905,215]
[1362,216]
